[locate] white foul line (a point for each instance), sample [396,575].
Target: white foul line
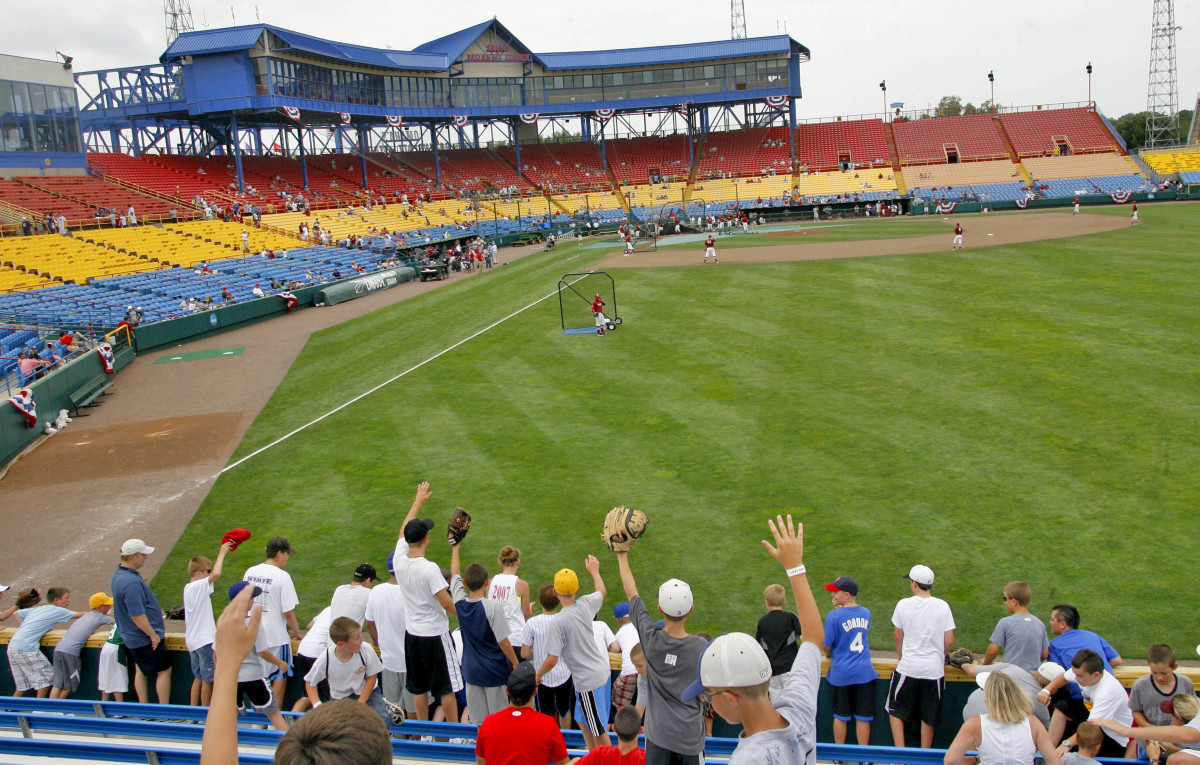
[385,383]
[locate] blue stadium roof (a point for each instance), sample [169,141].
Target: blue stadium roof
[437,55]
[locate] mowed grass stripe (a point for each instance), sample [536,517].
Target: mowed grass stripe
[1016,412]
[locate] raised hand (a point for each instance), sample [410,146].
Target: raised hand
[789,542]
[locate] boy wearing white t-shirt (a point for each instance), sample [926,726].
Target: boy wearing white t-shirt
[625,687]
[278,600]
[385,623]
[924,636]
[316,640]
[1108,698]
[351,670]
[253,688]
[200,628]
[350,600]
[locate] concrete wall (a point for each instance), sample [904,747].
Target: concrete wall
[23,69]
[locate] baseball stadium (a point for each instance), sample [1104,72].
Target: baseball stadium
[255,293]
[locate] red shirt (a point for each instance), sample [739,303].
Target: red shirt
[597,305]
[709,242]
[610,755]
[520,737]
[958,229]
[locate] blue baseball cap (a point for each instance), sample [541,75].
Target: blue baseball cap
[239,586]
[621,610]
[390,567]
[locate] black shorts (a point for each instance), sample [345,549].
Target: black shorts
[853,701]
[428,664]
[556,701]
[1112,748]
[301,665]
[911,699]
[151,661]
[1074,709]
[256,695]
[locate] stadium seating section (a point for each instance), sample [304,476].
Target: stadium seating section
[927,177]
[43,203]
[632,159]
[468,169]
[930,140]
[1034,134]
[1177,161]
[1078,166]
[821,145]
[863,182]
[557,165]
[745,152]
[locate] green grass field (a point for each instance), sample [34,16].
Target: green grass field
[1023,412]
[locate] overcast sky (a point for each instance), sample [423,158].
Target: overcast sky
[1038,49]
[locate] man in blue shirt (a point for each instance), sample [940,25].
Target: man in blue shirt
[1067,704]
[140,622]
[851,675]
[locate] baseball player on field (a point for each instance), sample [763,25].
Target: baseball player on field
[957,237]
[598,312]
[710,248]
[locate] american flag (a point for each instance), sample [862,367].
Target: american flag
[289,299]
[23,401]
[106,357]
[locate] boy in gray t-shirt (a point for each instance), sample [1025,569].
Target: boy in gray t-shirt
[1021,635]
[735,674]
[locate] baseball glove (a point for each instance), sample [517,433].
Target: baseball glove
[622,527]
[460,524]
[960,657]
[28,598]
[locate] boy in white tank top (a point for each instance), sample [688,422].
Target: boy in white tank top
[511,591]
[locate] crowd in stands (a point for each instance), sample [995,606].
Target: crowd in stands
[521,678]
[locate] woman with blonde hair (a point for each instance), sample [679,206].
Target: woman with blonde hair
[1008,734]
[1184,709]
[512,592]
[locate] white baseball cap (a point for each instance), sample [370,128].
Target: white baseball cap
[1050,670]
[734,660]
[982,678]
[675,598]
[135,546]
[3,588]
[921,574]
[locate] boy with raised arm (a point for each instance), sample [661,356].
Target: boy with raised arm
[735,673]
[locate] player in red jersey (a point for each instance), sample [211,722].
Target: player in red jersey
[710,248]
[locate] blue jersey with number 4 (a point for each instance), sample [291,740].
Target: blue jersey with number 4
[846,634]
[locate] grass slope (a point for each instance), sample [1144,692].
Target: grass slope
[1023,412]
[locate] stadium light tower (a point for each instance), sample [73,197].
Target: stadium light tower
[992,84]
[883,87]
[737,19]
[1162,98]
[178,14]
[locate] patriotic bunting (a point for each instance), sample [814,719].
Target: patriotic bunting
[292,113]
[606,114]
[1022,203]
[23,401]
[945,208]
[461,120]
[394,121]
[345,117]
[529,119]
[106,357]
[1120,197]
[289,299]
[776,101]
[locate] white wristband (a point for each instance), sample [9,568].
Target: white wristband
[316,705]
[797,571]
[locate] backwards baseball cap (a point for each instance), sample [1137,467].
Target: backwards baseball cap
[621,610]
[982,678]
[276,545]
[734,660]
[239,586]
[135,546]
[365,571]
[522,682]
[390,563]
[920,574]
[417,529]
[566,582]
[1168,706]
[844,584]
[675,598]
[1050,670]
[99,599]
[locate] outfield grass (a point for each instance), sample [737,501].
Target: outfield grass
[1018,412]
[828,231]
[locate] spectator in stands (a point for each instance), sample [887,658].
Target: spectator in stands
[30,668]
[851,675]
[627,723]
[1069,640]
[351,671]
[556,692]
[70,647]
[733,667]
[316,640]
[350,600]
[385,623]
[1150,691]
[140,620]
[279,601]
[1183,730]
[112,675]
[778,633]
[924,635]
[675,727]
[199,625]
[1021,635]
[1008,734]
[571,639]
[625,687]
[1105,697]
[487,653]
[1029,682]
[430,667]
[256,291]
[520,733]
[31,367]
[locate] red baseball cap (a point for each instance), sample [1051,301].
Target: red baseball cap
[235,537]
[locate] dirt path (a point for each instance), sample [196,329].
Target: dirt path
[978,231]
[141,464]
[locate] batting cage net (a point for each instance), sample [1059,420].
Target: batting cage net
[676,218]
[575,295]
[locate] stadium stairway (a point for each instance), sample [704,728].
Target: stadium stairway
[1012,151]
[890,136]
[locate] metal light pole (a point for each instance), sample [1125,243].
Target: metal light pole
[992,83]
[883,87]
[1089,74]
